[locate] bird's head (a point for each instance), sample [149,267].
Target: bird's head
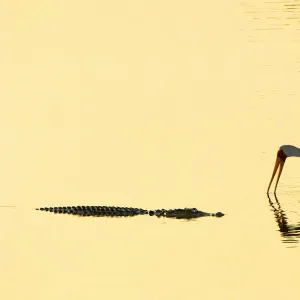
[282,154]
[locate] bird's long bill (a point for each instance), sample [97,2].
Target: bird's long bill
[278,164]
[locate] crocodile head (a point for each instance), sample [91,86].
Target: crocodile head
[219,214]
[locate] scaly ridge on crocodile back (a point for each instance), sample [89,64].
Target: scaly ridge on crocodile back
[97,211]
[116,211]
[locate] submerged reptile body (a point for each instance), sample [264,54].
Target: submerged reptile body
[115,211]
[183,213]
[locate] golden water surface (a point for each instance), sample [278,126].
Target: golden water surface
[151,104]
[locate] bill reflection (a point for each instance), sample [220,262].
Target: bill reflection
[290,233]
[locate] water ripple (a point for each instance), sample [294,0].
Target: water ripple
[269,16]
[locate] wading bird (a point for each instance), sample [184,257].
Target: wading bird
[283,152]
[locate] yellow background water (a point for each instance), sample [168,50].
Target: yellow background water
[152,104]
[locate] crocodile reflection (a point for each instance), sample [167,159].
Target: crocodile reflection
[290,233]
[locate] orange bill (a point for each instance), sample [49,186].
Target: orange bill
[278,164]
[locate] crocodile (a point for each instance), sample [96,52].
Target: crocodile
[116,211]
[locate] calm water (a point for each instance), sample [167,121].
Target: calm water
[152,104]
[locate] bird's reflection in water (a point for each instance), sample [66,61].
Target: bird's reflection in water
[290,233]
